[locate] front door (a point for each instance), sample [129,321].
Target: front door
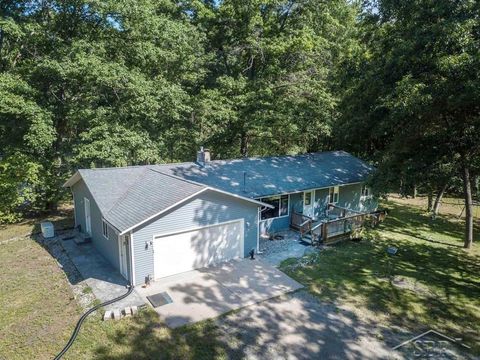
[88,219]
[123,255]
[308,199]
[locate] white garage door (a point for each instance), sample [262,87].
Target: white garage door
[180,252]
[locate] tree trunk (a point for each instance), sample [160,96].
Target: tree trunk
[244,144]
[414,191]
[438,199]
[467,189]
[429,201]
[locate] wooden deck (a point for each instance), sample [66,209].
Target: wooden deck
[328,231]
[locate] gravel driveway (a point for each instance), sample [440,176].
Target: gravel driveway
[297,326]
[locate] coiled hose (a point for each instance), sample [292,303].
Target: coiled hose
[84,316]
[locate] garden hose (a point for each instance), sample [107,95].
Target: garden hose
[84,316]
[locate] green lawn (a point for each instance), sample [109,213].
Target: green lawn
[442,291]
[37,307]
[62,219]
[38,313]
[437,281]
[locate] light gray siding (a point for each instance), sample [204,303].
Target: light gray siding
[283,223]
[349,197]
[207,208]
[107,247]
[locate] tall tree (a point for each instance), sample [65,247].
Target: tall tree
[415,94]
[95,84]
[271,83]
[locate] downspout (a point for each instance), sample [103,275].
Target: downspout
[132,261]
[74,207]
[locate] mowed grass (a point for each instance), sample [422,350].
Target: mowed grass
[442,290]
[37,307]
[62,219]
[146,337]
[432,282]
[38,313]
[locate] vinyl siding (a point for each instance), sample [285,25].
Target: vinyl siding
[108,248]
[349,197]
[282,223]
[207,208]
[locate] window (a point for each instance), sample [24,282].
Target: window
[308,198]
[333,193]
[280,204]
[366,191]
[105,229]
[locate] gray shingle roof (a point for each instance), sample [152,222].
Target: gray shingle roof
[152,193]
[128,196]
[274,175]
[109,185]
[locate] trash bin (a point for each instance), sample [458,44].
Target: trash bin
[47,229]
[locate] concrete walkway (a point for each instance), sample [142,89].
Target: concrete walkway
[210,292]
[106,282]
[275,251]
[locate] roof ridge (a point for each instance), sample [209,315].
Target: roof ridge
[179,178]
[149,166]
[257,157]
[124,195]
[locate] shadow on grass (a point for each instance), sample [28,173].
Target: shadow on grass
[437,283]
[276,329]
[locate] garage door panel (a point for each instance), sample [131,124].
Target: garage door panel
[199,248]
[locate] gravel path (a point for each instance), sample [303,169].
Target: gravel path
[275,251]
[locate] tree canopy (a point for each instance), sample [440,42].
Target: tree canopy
[88,83]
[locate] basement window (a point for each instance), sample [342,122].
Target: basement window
[105,229]
[280,209]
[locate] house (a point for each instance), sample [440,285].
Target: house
[153,221]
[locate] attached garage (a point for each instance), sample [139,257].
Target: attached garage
[197,248]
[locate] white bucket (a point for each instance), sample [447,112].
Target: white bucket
[47,229]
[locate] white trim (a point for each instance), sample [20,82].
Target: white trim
[74,209]
[132,260]
[240,197]
[242,238]
[104,223]
[280,200]
[212,188]
[259,211]
[88,225]
[121,249]
[188,198]
[195,228]
[72,180]
[119,253]
[312,189]
[334,192]
[163,211]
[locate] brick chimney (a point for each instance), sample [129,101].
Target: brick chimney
[203,156]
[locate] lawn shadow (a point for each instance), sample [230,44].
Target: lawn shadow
[428,283]
[295,326]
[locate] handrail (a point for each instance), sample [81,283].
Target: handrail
[305,222]
[317,226]
[344,208]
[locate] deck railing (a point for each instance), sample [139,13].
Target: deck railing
[301,222]
[336,229]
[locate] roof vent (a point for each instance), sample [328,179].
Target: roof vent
[203,156]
